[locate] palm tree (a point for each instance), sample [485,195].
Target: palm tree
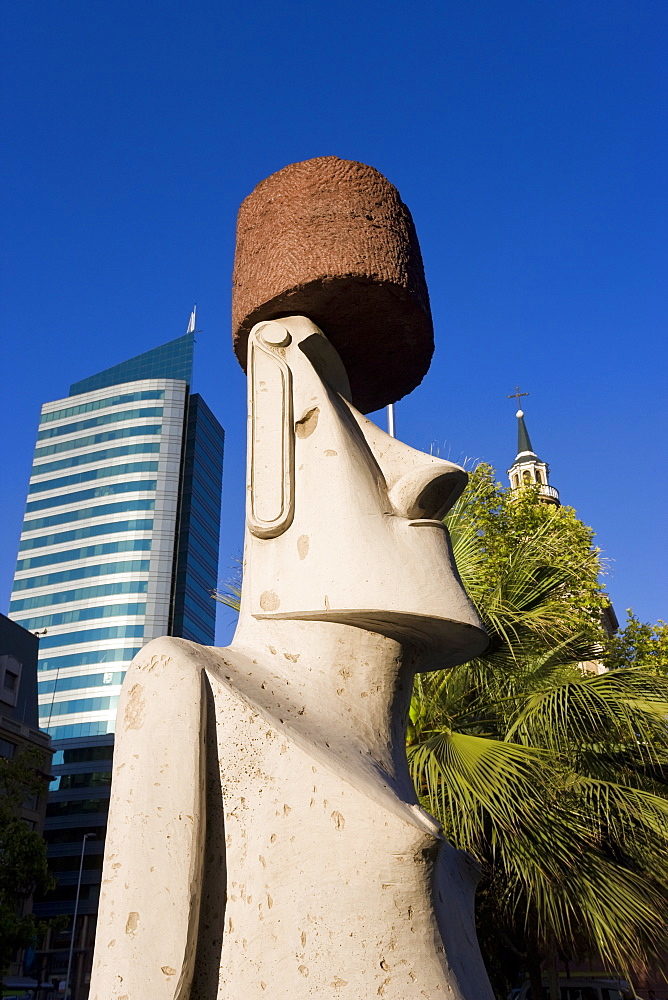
[554,780]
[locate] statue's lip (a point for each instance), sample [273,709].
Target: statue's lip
[426,521]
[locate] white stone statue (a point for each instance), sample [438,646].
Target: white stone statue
[264,838]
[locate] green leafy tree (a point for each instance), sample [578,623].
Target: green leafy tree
[553,779]
[528,564]
[23,867]
[639,644]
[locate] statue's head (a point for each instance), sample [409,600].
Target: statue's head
[343,521]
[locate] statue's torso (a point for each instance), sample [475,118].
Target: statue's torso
[329,891]
[250,858]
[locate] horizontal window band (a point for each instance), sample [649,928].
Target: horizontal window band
[80,594]
[83,755]
[86,657]
[81,573]
[79,729]
[102,404]
[138,486]
[82,615]
[88,532]
[127,469]
[81,705]
[100,438]
[87,458]
[86,513]
[76,807]
[92,635]
[108,418]
[88,551]
[82,682]
[75,782]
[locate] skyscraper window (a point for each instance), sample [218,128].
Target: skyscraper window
[103,578]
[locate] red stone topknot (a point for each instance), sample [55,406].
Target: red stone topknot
[331,239]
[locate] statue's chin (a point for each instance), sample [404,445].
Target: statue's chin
[440,642]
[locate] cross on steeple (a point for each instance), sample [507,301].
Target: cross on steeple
[516,395]
[527,469]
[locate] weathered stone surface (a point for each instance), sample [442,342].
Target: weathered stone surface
[331,239]
[265,838]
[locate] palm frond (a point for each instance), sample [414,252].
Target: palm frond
[230,593]
[627,707]
[478,786]
[230,597]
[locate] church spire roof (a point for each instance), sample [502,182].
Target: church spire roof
[527,469]
[524,446]
[523,440]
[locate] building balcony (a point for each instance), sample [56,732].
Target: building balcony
[548,494]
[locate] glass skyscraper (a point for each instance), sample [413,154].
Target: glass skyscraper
[119,545]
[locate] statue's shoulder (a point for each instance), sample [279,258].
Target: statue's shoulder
[181,657]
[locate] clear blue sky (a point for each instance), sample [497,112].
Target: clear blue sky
[528,137]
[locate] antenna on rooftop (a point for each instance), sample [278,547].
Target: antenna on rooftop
[192,321]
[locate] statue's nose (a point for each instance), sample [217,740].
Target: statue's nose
[428,491]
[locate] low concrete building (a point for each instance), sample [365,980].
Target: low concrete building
[19,729]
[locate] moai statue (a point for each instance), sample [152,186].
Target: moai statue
[264,838]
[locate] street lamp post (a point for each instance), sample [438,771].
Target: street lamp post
[76,910]
[390,420]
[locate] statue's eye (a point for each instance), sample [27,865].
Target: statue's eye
[438,496]
[427,492]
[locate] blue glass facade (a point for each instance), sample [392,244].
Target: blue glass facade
[196,567]
[172,360]
[67,586]
[78,804]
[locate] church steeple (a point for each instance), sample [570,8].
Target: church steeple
[527,469]
[523,439]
